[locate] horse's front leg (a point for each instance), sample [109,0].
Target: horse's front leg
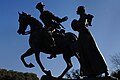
[69,65]
[26,54]
[40,64]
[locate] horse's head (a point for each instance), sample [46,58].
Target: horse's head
[23,22]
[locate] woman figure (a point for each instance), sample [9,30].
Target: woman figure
[92,62]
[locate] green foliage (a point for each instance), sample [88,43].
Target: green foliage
[14,75]
[115,59]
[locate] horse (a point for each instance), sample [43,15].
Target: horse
[39,42]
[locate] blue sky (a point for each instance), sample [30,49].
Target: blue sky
[105,29]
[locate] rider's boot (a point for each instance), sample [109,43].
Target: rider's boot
[52,45]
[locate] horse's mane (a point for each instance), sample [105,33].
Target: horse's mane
[35,21]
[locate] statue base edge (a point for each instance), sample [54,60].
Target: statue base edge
[46,77]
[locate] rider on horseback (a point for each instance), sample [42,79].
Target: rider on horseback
[51,22]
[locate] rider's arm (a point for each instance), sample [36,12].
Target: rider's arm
[57,19]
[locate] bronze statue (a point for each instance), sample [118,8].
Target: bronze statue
[51,22]
[39,41]
[91,60]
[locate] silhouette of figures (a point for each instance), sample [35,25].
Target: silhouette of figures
[92,62]
[51,22]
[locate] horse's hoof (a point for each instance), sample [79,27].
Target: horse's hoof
[31,65]
[48,73]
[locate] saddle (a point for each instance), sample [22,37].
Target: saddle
[55,34]
[58,33]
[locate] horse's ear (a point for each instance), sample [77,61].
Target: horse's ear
[19,13]
[24,13]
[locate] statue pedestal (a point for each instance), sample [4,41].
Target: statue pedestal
[45,77]
[100,78]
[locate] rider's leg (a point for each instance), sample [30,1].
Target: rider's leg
[52,41]
[52,44]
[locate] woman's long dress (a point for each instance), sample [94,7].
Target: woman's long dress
[92,61]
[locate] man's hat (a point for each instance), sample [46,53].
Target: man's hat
[39,5]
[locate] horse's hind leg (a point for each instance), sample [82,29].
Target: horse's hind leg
[27,53]
[69,65]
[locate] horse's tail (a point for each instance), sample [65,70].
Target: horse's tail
[72,41]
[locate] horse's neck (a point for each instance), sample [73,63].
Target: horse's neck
[35,24]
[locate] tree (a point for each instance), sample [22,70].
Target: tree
[73,74]
[14,75]
[116,61]
[116,74]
